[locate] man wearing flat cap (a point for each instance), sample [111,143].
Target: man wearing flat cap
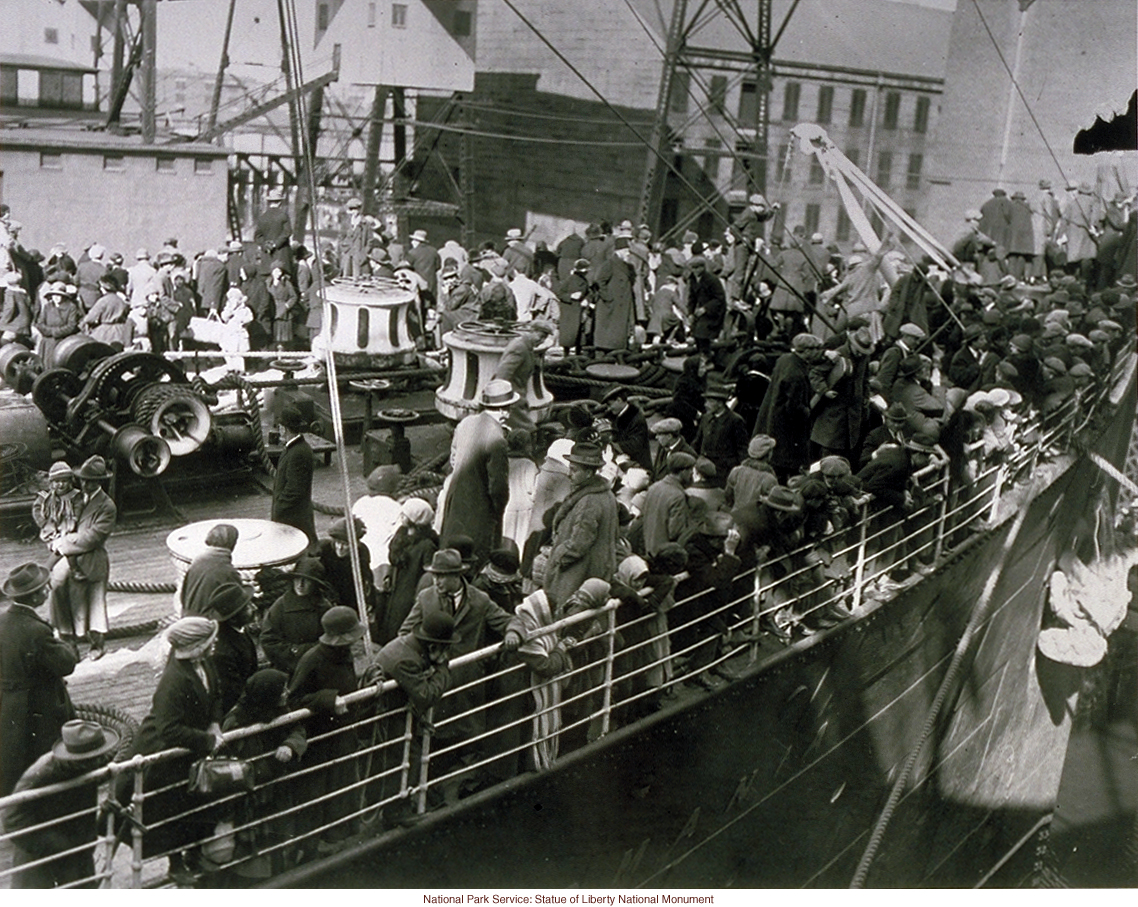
[210,569]
[669,437]
[79,579]
[722,436]
[707,303]
[665,510]
[785,411]
[292,485]
[33,695]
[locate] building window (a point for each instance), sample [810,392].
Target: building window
[678,102]
[790,95]
[921,116]
[203,165]
[813,217]
[322,16]
[857,108]
[892,109]
[371,15]
[116,163]
[398,15]
[164,164]
[842,230]
[854,154]
[711,161]
[717,94]
[747,103]
[913,177]
[884,168]
[817,174]
[51,160]
[782,165]
[51,36]
[9,85]
[825,104]
[463,23]
[60,89]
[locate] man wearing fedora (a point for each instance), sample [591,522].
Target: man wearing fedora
[292,486]
[478,622]
[79,578]
[424,259]
[33,695]
[585,527]
[629,427]
[722,436]
[479,485]
[83,746]
[359,234]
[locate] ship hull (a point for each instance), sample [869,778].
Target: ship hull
[779,779]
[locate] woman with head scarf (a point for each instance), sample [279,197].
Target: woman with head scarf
[411,549]
[185,713]
[585,688]
[272,753]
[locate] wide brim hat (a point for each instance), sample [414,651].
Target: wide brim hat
[420,235]
[585,454]
[275,195]
[25,580]
[1126,282]
[82,740]
[310,568]
[341,626]
[498,394]
[227,600]
[93,469]
[446,561]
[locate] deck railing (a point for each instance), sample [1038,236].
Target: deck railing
[384,766]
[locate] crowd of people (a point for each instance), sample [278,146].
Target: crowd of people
[812,385]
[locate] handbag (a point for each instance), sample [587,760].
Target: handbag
[217,777]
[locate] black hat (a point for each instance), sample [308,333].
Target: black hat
[613,392]
[292,419]
[227,600]
[437,628]
[341,626]
[585,454]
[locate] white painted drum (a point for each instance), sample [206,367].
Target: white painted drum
[475,351]
[368,323]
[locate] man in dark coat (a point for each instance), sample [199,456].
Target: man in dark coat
[572,298]
[785,410]
[996,218]
[210,569]
[973,366]
[585,528]
[615,299]
[64,821]
[630,428]
[273,234]
[33,695]
[568,251]
[292,625]
[234,654]
[668,440]
[840,417]
[909,338]
[418,661]
[336,557]
[79,579]
[424,259]
[292,488]
[707,302]
[722,437]
[213,282]
[517,364]
[479,485]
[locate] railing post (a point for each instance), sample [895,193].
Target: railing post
[756,615]
[424,765]
[607,706]
[136,830]
[859,568]
[109,841]
[942,517]
[994,507]
[405,764]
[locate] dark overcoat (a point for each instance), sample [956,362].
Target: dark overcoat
[234,661]
[785,412]
[33,696]
[839,421]
[291,628]
[292,488]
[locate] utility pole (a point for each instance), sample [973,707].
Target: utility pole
[371,156]
[149,26]
[215,101]
[761,52]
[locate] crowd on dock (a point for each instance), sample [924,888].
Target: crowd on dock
[813,386]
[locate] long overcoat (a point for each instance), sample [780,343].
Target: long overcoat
[666,514]
[33,696]
[584,540]
[615,305]
[479,486]
[785,412]
[839,421]
[292,488]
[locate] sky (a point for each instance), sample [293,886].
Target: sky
[255,42]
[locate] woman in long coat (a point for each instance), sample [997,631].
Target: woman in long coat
[839,421]
[411,549]
[185,712]
[479,486]
[615,301]
[57,318]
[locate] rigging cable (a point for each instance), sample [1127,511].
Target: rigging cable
[1019,90]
